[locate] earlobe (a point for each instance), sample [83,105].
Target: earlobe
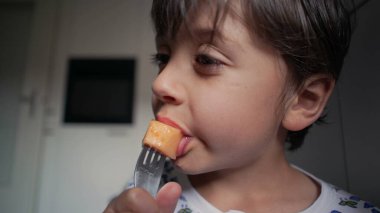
[307,105]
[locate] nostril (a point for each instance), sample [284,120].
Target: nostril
[168,98]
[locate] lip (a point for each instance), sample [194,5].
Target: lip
[169,122]
[182,146]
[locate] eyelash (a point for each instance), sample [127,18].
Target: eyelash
[207,60]
[160,59]
[207,65]
[203,63]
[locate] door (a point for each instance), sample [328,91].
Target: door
[25,35]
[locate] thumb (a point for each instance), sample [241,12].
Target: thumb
[168,196]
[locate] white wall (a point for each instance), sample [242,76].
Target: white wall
[85,165]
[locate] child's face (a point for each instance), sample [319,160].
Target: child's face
[225,95]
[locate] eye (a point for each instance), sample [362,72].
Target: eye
[160,59]
[206,64]
[204,59]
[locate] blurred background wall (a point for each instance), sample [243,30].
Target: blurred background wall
[47,165]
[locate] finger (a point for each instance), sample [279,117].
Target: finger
[109,208]
[168,196]
[134,200]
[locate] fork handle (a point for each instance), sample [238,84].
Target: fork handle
[147,177]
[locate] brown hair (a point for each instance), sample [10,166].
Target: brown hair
[312,36]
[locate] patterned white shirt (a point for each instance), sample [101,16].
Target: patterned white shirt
[331,199]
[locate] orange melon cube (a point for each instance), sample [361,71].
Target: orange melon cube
[163,138]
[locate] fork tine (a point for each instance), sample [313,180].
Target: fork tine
[150,157]
[161,161]
[142,155]
[156,159]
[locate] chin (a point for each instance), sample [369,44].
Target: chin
[193,168]
[187,168]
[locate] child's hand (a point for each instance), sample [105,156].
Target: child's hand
[139,200]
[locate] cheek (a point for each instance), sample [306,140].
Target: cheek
[235,132]
[240,115]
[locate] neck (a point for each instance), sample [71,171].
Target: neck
[257,187]
[261,176]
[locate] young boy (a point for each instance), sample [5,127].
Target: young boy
[240,78]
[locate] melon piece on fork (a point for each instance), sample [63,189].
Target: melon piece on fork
[163,138]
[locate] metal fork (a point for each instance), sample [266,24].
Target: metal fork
[148,170]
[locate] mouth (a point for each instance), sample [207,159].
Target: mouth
[185,139]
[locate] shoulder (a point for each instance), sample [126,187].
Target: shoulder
[335,200]
[343,201]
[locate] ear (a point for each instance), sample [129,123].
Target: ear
[306,106]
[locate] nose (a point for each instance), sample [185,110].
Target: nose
[167,87]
